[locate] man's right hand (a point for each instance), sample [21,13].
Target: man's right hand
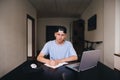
[52,63]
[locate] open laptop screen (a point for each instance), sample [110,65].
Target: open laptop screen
[89,60]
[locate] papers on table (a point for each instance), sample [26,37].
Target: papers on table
[60,64]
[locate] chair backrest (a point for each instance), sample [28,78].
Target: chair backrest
[89,59]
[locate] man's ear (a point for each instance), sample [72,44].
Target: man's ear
[65,34]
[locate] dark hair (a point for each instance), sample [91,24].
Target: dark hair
[61,28]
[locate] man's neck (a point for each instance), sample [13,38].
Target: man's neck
[59,43]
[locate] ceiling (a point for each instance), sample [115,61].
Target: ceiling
[60,8]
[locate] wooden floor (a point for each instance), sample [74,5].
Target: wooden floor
[24,72]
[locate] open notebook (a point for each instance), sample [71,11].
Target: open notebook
[89,60]
[60,64]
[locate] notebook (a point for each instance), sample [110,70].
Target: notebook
[89,60]
[60,64]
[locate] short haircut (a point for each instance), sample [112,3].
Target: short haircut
[61,28]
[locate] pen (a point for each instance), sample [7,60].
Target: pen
[52,58]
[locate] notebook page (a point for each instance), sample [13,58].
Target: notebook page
[60,64]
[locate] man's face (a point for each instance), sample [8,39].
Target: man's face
[60,36]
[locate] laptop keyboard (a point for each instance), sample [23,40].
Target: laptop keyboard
[77,67]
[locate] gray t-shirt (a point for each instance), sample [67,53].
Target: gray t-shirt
[57,51]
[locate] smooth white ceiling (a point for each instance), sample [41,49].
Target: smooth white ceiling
[60,8]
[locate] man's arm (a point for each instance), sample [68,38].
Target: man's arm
[41,58]
[71,58]
[55,62]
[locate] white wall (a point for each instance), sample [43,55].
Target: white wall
[109,32]
[42,22]
[13,33]
[106,28]
[117,35]
[117,26]
[95,7]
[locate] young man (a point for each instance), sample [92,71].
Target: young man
[59,49]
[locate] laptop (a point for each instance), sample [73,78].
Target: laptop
[89,60]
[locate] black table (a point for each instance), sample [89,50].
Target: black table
[25,72]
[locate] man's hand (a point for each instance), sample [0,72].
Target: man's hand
[53,62]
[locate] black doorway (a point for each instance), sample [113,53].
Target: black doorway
[50,32]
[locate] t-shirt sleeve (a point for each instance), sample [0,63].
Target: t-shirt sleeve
[45,49]
[72,50]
